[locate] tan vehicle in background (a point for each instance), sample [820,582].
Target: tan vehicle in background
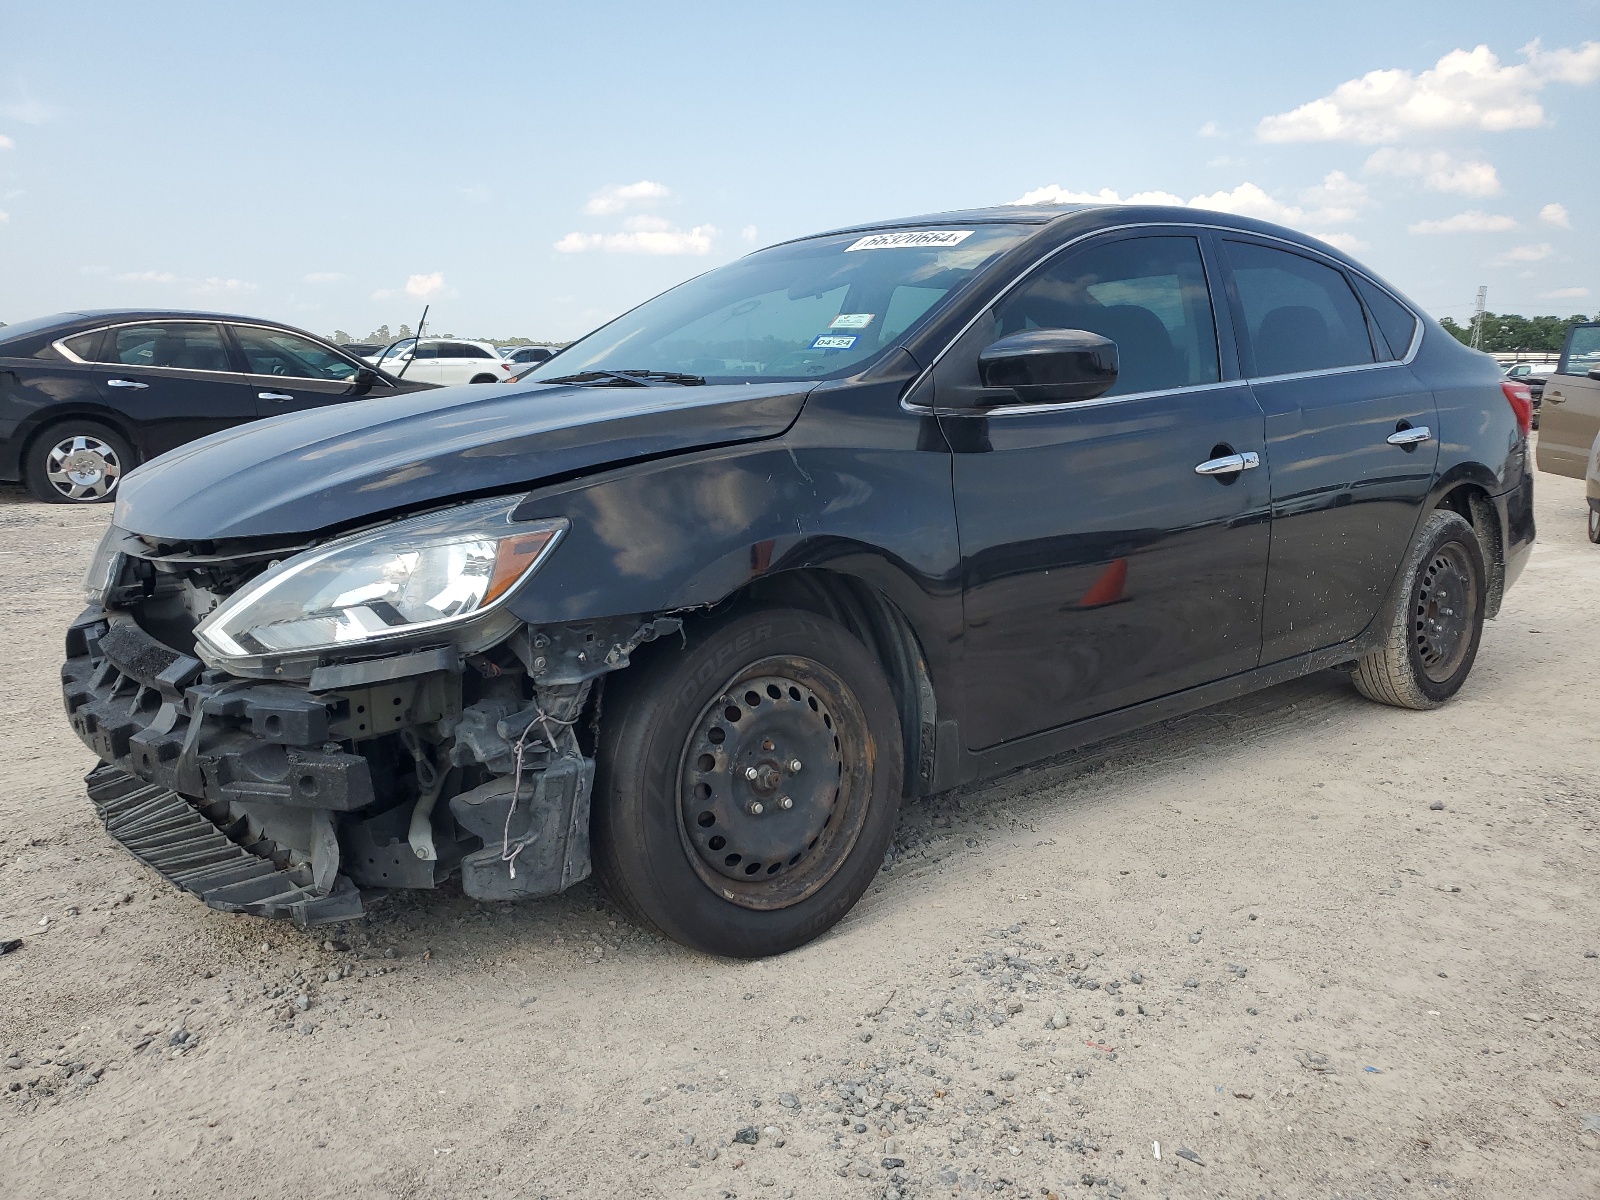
[1571,422]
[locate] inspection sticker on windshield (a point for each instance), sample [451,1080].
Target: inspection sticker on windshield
[833,342]
[851,321]
[914,237]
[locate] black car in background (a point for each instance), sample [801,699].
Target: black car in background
[87,396]
[860,517]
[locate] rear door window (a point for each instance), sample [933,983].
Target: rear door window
[278,352]
[1582,354]
[1298,314]
[186,345]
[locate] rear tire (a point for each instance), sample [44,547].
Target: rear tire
[1432,621]
[77,462]
[1594,521]
[747,787]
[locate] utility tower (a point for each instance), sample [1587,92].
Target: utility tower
[1477,318]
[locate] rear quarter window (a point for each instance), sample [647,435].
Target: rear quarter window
[1395,321]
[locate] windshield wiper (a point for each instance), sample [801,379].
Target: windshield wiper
[643,378]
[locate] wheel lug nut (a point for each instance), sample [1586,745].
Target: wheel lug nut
[750,773]
[785,802]
[794,765]
[756,808]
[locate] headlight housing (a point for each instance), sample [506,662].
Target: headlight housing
[446,573]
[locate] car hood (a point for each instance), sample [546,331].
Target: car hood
[309,471]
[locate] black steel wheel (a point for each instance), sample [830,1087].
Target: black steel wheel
[1432,621]
[77,462]
[747,787]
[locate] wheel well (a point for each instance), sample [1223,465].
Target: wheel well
[883,629]
[56,420]
[483,379]
[1471,502]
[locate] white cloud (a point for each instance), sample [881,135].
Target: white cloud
[424,286]
[1209,129]
[4,217]
[1466,89]
[148,277]
[748,233]
[1572,293]
[1555,214]
[1335,200]
[1471,221]
[1438,171]
[1537,252]
[6,143]
[27,110]
[1054,193]
[643,235]
[325,277]
[216,285]
[614,198]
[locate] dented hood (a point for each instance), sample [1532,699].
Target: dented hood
[308,471]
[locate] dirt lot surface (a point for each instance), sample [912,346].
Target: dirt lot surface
[1304,944]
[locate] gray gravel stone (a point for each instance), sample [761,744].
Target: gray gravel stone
[1437,806]
[749,1135]
[788,1100]
[1191,983]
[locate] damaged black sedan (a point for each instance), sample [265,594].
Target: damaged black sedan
[856,518]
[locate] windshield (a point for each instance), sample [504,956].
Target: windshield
[807,310]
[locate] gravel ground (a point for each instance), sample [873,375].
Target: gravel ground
[1297,945]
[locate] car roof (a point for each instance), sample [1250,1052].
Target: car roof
[1092,216]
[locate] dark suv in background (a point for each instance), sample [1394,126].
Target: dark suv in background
[86,397]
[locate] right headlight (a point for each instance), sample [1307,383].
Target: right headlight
[429,575]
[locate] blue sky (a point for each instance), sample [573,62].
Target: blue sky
[534,169]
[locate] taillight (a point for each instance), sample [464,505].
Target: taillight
[505,366]
[1521,401]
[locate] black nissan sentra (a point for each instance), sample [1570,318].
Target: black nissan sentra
[857,518]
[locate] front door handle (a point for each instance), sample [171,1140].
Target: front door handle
[1414,436]
[1229,464]
[128,383]
[1555,397]
[275,396]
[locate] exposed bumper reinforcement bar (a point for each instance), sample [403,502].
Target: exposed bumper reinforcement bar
[181,842]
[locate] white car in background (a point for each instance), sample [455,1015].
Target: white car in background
[445,361]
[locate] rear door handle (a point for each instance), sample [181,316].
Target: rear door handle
[1229,464]
[1410,437]
[278,396]
[1555,397]
[128,383]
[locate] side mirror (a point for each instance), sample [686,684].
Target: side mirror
[365,380]
[1051,365]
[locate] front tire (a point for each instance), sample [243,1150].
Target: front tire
[1433,620]
[77,462]
[748,786]
[1594,521]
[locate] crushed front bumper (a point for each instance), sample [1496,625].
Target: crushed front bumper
[229,788]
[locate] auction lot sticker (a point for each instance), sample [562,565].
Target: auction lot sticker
[912,237]
[851,321]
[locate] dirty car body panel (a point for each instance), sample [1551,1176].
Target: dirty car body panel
[1026,576]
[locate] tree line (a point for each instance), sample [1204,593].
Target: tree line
[1504,332]
[382,336]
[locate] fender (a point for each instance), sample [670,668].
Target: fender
[856,487]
